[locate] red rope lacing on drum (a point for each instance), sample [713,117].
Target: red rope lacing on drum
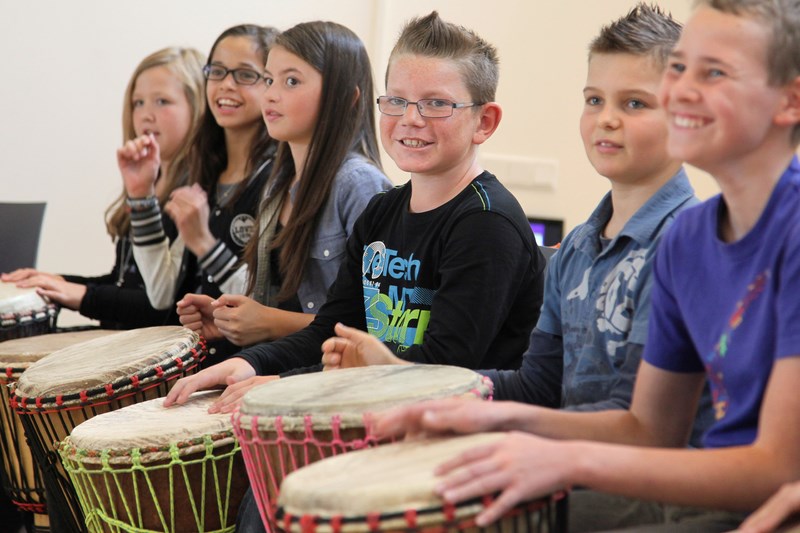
[307,524]
[373,521]
[449,511]
[109,389]
[336,523]
[411,518]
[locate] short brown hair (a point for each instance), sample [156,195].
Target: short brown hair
[645,30]
[430,36]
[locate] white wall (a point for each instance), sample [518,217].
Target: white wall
[67,64]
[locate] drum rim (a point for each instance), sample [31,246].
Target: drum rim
[459,515]
[11,319]
[167,369]
[343,420]
[148,454]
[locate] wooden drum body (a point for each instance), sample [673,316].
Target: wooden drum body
[72,385]
[147,468]
[23,313]
[391,489]
[22,480]
[289,423]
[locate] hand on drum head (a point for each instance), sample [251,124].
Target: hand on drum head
[139,161]
[452,416]
[69,295]
[232,396]
[781,506]
[354,348]
[242,320]
[188,208]
[232,370]
[195,312]
[521,467]
[21,277]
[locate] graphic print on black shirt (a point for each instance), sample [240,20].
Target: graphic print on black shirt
[397,310]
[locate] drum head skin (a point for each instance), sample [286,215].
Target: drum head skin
[151,428]
[16,301]
[110,363]
[350,393]
[391,488]
[18,354]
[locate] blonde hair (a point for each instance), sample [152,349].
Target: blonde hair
[187,65]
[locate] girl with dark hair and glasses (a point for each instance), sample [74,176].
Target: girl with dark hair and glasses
[318,104]
[230,161]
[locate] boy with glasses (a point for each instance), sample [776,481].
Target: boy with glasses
[443,269]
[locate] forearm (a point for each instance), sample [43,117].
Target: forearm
[279,323]
[301,349]
[158,262]
[738,479]
[221,269]
[538,380]
[130,307]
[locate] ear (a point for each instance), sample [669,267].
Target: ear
[356,96]
[490,115]
[789,112]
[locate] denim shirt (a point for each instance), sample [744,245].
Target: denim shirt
[597,298]
[357,181]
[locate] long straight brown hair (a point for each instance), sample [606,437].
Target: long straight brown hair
[345,124]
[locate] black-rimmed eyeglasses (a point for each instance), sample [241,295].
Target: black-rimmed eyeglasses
[242,76]
[430,107]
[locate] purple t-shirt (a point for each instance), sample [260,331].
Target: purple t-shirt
[730,310]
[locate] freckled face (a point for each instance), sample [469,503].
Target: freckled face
[428,146]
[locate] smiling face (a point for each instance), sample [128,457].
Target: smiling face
[233,105]
[159,107]
[430,146]
[716,92]
[290,105]
[623,127]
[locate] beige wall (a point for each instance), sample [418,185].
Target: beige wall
[66,65]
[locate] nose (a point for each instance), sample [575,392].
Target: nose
[228,80]
[679,88]
[412,115]
[147,112]
[609,118]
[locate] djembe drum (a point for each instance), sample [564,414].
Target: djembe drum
[391,489]
[286,424]
[77,383]
[23,313]
[149,468]
[22,480]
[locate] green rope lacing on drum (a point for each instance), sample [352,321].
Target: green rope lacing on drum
[102,496]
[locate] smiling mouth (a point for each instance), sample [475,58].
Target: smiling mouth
[226,102]
[607,144]
[414,143]
[683,121]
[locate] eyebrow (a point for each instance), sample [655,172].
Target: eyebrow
[289,70]
[705,59]
[241,64]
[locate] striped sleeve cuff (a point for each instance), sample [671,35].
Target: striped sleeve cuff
[146,225]
[219,263]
